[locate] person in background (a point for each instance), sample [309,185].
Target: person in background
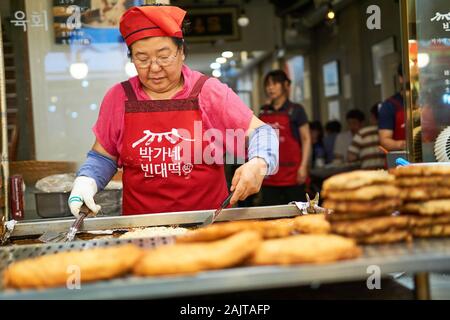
[318,149]
[332,128]
[364,147]
[391,120]
[290,119]
[355,120]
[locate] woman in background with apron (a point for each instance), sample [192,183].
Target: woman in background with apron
[290,119]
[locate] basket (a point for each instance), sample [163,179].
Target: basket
[33,170]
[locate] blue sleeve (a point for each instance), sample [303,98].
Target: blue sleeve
[386,116]
[98,167]
[264,143]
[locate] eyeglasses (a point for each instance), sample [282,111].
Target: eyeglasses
[160,61]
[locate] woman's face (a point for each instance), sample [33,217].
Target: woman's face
[154,77]
[275,90]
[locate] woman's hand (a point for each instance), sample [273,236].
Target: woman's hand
[248,179]
[302,174]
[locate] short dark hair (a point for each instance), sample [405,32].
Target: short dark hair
[333,126]
[277,76]
[355,114]
[374,110]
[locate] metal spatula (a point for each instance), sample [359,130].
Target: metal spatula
[213,217]
[53,236]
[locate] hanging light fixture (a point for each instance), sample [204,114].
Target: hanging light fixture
[331,15]
[243,20]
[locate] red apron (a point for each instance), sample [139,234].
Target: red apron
[163,169]
[399,129]
[290,151]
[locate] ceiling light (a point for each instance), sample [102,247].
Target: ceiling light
[330,14]
[215,65]
[79,70]
[227,54]
[221,60]
[243,20]
[216,73]
[423,59]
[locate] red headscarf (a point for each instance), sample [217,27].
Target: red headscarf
[151,21]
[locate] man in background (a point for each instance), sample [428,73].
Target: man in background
[364,146]
[391,120]
[355,120]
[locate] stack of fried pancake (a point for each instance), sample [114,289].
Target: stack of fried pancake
[362,204]
[425,191]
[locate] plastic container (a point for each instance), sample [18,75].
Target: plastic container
[54,204]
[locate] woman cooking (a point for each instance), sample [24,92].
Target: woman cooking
[149,126]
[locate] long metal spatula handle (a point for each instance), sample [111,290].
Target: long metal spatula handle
[84,212]
[225,203]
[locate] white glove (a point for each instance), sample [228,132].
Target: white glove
[83,191]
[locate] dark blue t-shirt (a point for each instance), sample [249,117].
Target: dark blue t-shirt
[386,115]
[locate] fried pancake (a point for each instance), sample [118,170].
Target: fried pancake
[54,270]
[439,230]
[410,208]
[386,237]
[373,206]
[425,221]
[195,257]
[357,179]
[431,181]
[266,228]
[422,170]
[305,249]
[429,208]
[343,216]
[424,193]
[370,226]
[363,194]
[312,224]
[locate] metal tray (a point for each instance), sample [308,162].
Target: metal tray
[54,204]
[38,227]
